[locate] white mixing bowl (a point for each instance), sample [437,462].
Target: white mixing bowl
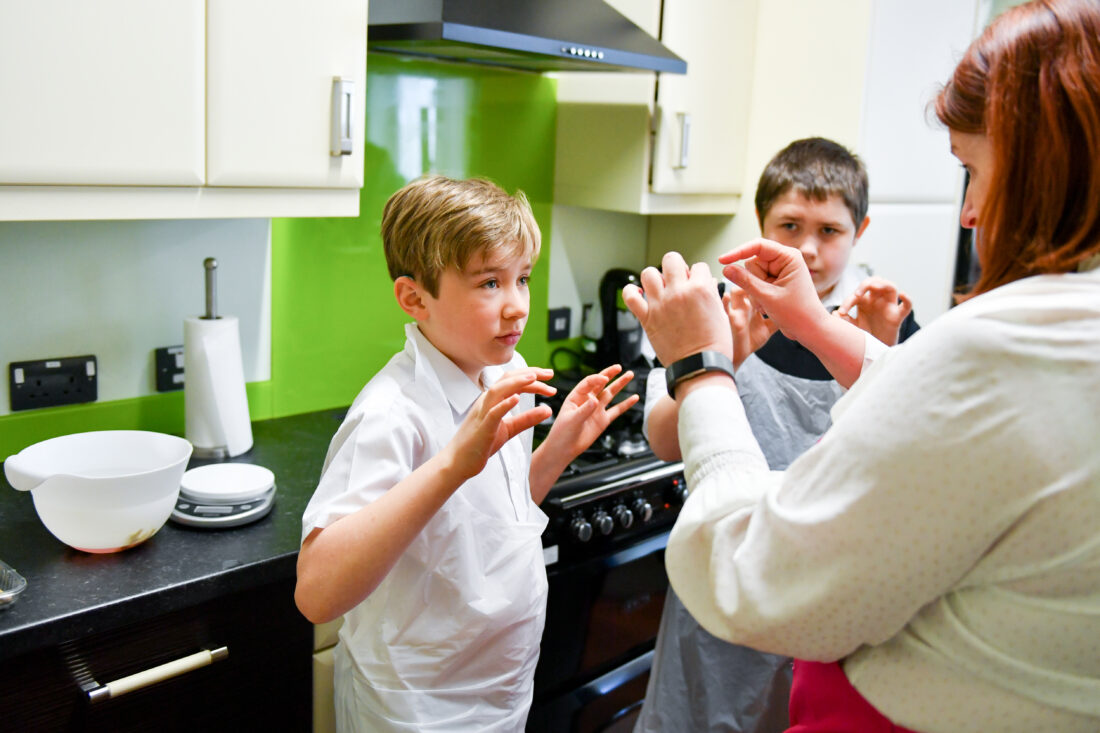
[102,491]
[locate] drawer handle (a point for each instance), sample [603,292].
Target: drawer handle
[156,674]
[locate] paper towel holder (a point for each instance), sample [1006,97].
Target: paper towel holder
[210,265]
[215,401]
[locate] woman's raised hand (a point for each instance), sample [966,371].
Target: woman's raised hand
[775,277]
[680,311]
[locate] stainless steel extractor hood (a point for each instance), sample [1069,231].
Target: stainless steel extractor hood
[534,35]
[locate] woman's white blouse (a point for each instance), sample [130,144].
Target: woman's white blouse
[943,537]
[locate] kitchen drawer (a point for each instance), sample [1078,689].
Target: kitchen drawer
[263,684]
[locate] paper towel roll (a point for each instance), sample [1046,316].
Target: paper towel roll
[215,404]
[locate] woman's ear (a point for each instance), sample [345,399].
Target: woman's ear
[410,297]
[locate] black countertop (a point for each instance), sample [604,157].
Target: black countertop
[71,594]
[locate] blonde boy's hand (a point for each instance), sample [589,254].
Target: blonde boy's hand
[489,426]
[880,309]
[749,327]
[585,414]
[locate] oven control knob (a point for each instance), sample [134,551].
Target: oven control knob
[581,529]
[603,521]
[623,516]
[643,510]
[680,490]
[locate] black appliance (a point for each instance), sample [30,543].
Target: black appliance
[610,516]
[620,340]
[533,35]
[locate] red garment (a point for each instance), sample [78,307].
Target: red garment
[824,701]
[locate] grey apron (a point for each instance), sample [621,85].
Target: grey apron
[698,681]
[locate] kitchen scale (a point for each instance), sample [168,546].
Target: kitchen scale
[224,495]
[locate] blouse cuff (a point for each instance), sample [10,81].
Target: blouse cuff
[872,349]
[714,434]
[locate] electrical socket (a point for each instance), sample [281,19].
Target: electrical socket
[559,323]
[168,361]
[68,380]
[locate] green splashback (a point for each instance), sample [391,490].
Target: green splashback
[334,319]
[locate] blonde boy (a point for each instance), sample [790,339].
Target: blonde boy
[424,531]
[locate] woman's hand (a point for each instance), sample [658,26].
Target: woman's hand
[680,311]
[777,280]
[880,309]
[748,326]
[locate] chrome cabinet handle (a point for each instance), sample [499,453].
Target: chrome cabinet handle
[341,133]
[685,138]
[156,674]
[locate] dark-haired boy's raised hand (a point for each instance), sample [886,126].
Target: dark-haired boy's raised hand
[879,309]
[749,327]
[584,415]
[488,426]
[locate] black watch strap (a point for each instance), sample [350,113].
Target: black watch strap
[694,365]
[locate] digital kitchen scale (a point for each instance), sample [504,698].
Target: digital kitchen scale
[224,495]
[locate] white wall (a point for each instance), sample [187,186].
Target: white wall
[584,244]
[120,289]
[807,80]
[916,184]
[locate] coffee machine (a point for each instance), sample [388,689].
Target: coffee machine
[620,341]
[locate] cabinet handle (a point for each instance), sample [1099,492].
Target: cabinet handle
[157,674]
[341,134]
[685,138]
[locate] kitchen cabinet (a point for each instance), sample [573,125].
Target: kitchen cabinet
[663,143]
[125,109]
[263,682]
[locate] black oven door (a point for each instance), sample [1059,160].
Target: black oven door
[601,624]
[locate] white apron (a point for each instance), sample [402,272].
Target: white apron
[461,655]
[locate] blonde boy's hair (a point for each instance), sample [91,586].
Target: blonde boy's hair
[435,223]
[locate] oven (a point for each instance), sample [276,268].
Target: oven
[610,516]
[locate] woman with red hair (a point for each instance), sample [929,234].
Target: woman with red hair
[934,561]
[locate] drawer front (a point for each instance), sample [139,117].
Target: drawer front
[263,683]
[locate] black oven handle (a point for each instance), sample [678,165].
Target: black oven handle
[646,547]
[617,677]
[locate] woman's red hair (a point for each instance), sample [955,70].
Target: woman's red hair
[1031,84]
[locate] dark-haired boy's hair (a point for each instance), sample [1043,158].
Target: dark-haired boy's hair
[817,168]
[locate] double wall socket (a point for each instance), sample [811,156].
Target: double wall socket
[51,382]
[169,367]
[559,324]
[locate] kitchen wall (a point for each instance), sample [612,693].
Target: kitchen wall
[121,289]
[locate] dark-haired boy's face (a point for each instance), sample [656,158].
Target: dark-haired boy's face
[823,231]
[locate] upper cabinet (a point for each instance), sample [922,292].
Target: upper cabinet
[124,109]
[663,143]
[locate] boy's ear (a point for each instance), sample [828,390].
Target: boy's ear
[410,297]
[862,228]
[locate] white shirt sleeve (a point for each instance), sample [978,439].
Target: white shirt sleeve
[886,512]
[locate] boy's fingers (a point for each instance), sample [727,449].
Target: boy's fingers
[516,424]
[618,409]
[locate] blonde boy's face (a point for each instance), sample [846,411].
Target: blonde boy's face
[479,314]
[823,231]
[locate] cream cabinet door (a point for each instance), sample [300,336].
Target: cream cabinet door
[271,69]
[108,92]
[702,116]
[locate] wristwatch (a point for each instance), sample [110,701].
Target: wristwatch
[694,365]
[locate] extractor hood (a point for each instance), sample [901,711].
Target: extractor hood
[534,35]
